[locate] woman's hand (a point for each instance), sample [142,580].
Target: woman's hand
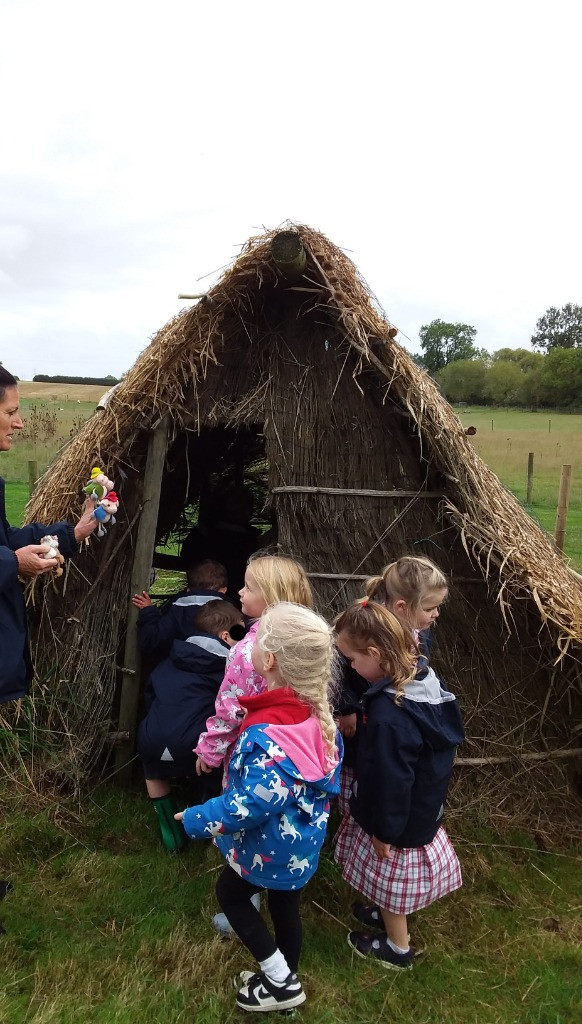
[87,523]
[142,600]
[31,561]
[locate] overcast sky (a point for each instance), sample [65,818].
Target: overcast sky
[142,142]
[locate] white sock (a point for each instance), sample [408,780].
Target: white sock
[275,967]
[397,949]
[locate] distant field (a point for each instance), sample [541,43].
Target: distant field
[52,414]
[505,437]
[62,392]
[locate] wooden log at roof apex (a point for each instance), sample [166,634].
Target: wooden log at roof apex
[289,253]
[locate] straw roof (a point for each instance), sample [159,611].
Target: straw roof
[311,366]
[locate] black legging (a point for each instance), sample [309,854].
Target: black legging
[234,896]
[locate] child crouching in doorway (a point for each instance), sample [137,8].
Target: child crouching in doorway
[270,822]
[179,696]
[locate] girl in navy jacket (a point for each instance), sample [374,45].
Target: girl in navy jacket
[270,822]
[413,589]
[393,848]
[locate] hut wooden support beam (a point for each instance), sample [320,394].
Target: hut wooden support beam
[140,578]
[358,492]
[366,576]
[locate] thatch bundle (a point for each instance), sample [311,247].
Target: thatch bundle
[302,373]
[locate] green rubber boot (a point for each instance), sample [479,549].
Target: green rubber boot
[173,835]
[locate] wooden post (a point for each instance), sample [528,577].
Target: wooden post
[563,500]
[530,464]
[289,254]
[140,578]
[32,476]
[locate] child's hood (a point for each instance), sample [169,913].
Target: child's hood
[434,710]
[201,652]
[298,749]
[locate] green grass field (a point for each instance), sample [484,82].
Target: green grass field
[48,425]
[105,927]
[504,439]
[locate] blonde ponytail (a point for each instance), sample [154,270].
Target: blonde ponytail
[302,643]
[408,579]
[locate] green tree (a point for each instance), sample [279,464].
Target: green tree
[504,385]
[463,380]
[522,356]
[443,343]
[559,328]
[559,380]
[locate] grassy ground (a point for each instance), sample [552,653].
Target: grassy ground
[16,499]
[104,926]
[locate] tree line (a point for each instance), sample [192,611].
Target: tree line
[43,378]
[550,375]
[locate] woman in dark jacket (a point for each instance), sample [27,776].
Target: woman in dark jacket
[22,555]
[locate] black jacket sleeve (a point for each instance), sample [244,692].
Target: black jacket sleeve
[156,631]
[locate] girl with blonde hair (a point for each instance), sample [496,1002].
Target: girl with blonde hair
[413,589]
[270,821]
[268,580]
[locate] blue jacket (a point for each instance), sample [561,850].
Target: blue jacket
[405,759]
[15,663]
[157,628]
[180,696]
[270,822]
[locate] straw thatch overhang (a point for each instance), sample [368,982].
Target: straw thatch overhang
[365,461]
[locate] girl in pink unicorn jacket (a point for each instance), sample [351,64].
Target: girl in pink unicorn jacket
[268,580]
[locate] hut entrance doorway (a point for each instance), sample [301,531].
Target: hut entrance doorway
[215,501]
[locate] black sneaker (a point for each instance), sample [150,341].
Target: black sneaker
[370,916]
[259,994]
[378,948]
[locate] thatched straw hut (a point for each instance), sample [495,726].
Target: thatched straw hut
[291,366]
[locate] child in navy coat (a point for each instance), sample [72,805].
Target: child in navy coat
[179,697]
[392,847]
[157,628]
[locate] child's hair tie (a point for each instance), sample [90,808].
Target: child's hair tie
[365,602]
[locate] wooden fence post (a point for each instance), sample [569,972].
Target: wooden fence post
[32,476]
[563,500]
[530,464]
[140,580]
